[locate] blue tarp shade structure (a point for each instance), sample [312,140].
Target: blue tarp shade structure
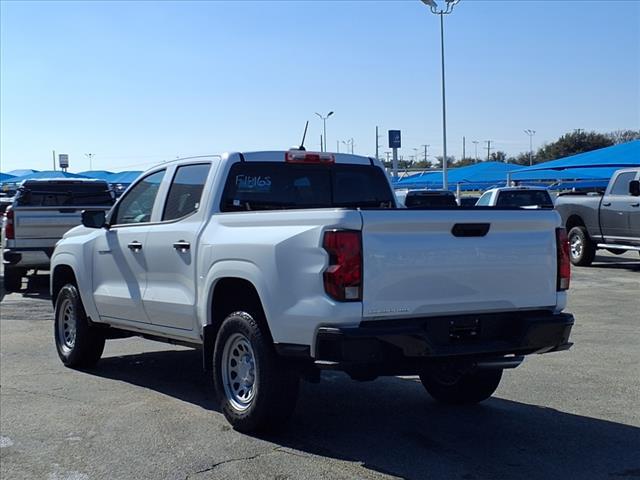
[566,174]
[21,172]
[126,177]
[581,185]
[5,176]
[619,156]
[45,174]
[473,177]
[99,174]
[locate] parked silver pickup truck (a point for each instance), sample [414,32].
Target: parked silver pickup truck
[42,211]
[610,221]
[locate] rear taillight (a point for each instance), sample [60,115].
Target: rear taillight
[343,277]
[9,232]
[564,262]
[302,156]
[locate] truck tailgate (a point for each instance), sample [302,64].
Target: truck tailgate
[415,266]
[46,222]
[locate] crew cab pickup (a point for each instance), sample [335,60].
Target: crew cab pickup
[41,212]
[281,264]
[610,221]
[522,197]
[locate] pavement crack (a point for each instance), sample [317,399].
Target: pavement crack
[230,460]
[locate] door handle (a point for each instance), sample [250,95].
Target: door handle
[606,204]
[182,245]
[135,246]
[637,204]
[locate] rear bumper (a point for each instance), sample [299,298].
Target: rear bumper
[468,336]
[28,257]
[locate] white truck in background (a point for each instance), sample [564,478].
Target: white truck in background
[281,264]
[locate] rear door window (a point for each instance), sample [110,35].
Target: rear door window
[60,194]
[186,191]
[277,185]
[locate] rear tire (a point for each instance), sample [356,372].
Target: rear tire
[461,389]
[12,279]
[256,389]
[581,247]
[79,344]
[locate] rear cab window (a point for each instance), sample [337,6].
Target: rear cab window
[64,194]
[278,185]
[524,198]
[417,200]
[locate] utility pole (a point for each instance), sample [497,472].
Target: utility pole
[377,143]
[475,143]
[464,146]
[426,159]
[488,149]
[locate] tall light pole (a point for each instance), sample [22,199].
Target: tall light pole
[475,144]
[349,143]
[433,6]
[90,157]
[531,133]
[324,129]
[426,156]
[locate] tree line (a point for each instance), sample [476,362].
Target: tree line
[568,144]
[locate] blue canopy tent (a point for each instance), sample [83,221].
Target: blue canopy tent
[45,174]
[5,176]
[98,174]
[124,178]
[479,176]
[565,174]
[21,172]
[616,156]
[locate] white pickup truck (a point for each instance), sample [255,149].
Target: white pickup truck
[281,264]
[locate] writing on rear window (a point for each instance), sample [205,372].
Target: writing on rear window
[248,182]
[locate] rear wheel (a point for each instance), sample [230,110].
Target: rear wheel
[451,387]
[13,279]
[255,388]
[582,249]
[79,344]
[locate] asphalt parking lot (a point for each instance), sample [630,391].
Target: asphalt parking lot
[146,411]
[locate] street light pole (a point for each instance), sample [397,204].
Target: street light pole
[323,147]
[531,133]
[433,6]
[475,143]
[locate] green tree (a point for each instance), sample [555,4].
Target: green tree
[624,136]
[450,161]
[498,156]
[572,144]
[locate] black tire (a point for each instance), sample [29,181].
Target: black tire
[85,348]
[12,279]
[467,388]
[273,390]
[582,250]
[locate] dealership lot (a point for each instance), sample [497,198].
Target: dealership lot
[147,411]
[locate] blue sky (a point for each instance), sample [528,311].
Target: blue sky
[139,83]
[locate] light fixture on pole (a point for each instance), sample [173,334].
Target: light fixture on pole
[90,157]
[324,129]
[531,133]
[433,6]
[349,143]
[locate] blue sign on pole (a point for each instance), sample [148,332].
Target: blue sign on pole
[394,138]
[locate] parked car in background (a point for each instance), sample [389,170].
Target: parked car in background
[522,197]
[424,199]
[41,212]
[281,264]
[468,200]
[610,221]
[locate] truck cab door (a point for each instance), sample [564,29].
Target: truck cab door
[617,209]
[120,259]
[170,297]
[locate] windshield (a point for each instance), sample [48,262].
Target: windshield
[64,195]
[277,185]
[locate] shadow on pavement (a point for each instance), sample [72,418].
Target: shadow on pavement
[33,286]
[391,426]
[611,263]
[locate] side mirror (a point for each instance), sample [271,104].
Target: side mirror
[634,188]
[93,218]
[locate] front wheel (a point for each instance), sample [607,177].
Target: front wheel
[255,388]
[582,249]
[79,344]
[456,389]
